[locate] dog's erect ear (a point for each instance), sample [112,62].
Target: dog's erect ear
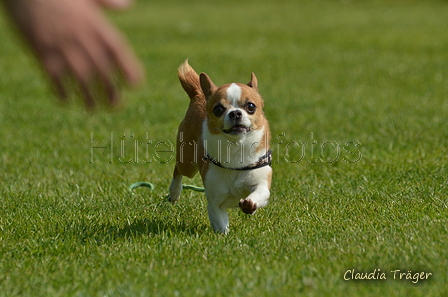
[207,86]
[253,82]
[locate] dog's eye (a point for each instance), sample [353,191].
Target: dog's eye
[250,108]
[218,110]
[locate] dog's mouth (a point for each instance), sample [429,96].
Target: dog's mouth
[237,129]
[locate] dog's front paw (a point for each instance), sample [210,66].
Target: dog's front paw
[170,198]
[247,206]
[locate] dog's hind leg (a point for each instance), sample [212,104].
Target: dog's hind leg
[175,186]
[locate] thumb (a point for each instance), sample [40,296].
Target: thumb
[115,4]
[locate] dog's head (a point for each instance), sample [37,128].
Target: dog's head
[233,109]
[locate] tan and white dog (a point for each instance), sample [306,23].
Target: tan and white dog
[225,136]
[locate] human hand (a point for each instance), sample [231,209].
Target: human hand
[73,40]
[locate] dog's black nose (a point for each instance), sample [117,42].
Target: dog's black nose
[235,115]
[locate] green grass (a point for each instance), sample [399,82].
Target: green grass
[367,72]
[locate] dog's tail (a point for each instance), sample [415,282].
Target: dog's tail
[190,81]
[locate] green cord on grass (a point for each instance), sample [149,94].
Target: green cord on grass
[141,184]
[152,187]
[194,188]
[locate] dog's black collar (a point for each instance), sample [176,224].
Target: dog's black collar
[264,160]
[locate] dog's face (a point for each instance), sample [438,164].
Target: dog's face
[233,109]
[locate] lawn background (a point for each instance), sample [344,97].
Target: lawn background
[371,73]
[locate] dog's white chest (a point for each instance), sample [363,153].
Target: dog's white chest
[228,182]
[240,187]
[228,187]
